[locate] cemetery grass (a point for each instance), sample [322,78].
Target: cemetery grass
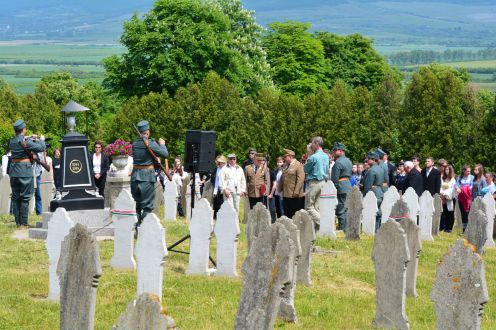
[342,295]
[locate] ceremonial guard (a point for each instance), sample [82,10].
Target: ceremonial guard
[380,153]
[340,176]
[146,152]
[292,183]
[21,170]
[374,180]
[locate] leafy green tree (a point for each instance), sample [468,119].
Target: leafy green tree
[296,57]
[180,41]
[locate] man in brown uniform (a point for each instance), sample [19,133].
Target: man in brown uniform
[257,180]
[292,181]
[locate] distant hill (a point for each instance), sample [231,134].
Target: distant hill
[443,22]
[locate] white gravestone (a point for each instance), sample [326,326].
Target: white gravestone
[411,199]
[158,203]
[150,253]
[47,190]
[391,196]
[488,201]
[227,232]
[369,213]
[200,229]
[187,211]
[426,203]
[4,194]
[170,200]
[124,218]
[59,226]
[328,202]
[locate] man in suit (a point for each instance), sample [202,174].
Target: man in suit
[257,180]
[431,177]
[413,178]
[292,183]
[340,176]
[373,181]
[100,164]
[391,167]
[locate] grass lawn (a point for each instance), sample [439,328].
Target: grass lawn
[342,295]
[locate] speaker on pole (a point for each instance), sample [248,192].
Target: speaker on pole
[200,151]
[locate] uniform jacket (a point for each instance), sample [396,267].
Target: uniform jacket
[342,169]
[391,173]
[414,180]
[432,183]
[254,180]
[232,179]
[293,180]
[24,169]
[141,156]
[374,180]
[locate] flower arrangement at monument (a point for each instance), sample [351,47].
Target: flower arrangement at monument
[119,148]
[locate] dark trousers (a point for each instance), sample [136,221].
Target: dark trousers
[255,200]
[22,191]
[37,196]
[447,219]
[100,184]
[279,206]
[292,205]
[218,200]
[464,215]
[341,211]
[143,193]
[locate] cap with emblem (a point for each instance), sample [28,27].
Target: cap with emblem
[380,152]
[260,156]
[288,152]
[338,146]
[373,155]
[19,124]
[143,126]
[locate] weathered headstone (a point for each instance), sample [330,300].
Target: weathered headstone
[412,200]
[113,187]
[369,213]
[426,212]
[145,313]
[460,289]
[488,201]
[266,271]
[124,218]
[436,217]
[170,200]
[246,208]
[158,204]
[353,214]
[390,197]
[227,232]
[208,192]
[476,232]
[328,202]
[58,229]
[47,190]
[401,214]
[390,255]
[150,253]
[200,229]
[306,227]
[287,311]
[458,214]
[187,211]
[5,194]
[257,222]
[79,271]
[186,180]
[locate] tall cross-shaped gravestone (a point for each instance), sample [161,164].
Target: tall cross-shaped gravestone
[390,197]
[436,217]
[227,232]
[58,228]
[200,229]
[411,199]
[287,311]
[150,253]
[369,213]
[353,214]
[390,255]
[328,203]
[170,200]
[401,214]
[256,222]
[460,289]
[79,271]
[426,211]
[488,201]
[266,271]
[124,218]
[307,236]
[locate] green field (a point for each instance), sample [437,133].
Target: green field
[342,295]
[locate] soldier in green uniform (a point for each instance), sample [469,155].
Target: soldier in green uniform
[143,177]
[21,171]
[340,176]
[374,180]
[385,169]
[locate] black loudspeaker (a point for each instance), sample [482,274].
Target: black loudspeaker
[200,151]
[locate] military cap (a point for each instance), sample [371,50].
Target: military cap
[338,146]
[260,156]
[380,152]
[221,159]
[385,150]
[288,152]
[373,155]
[252,150]
[19,124]
[231,156]
[143,126]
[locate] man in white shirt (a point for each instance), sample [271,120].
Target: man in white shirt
[232,182]
[218,196]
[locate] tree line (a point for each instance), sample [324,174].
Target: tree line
[449,55]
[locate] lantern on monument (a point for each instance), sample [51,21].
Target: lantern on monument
[77,190]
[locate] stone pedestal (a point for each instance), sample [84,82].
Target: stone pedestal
[113,187]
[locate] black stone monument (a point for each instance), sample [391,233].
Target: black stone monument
[78,190]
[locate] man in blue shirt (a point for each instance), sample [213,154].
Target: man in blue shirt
[316,169]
